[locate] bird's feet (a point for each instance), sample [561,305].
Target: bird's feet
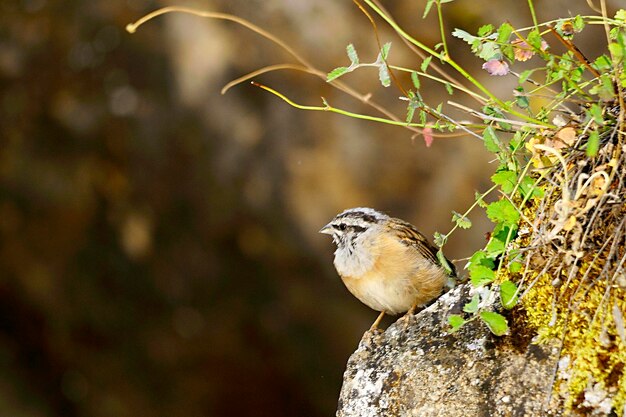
[373,334]
[408,318]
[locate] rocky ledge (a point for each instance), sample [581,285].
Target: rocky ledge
[418,368]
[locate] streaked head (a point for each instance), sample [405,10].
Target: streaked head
[351,223]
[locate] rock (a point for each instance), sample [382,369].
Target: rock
[417,368]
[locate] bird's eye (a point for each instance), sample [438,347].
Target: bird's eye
[342,226]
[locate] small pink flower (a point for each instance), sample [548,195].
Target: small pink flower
[523,51]
[428,136]
[496,67]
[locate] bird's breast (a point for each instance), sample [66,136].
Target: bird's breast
[396,278]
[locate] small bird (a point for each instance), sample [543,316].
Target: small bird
[386,262]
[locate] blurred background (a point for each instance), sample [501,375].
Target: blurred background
[159,253]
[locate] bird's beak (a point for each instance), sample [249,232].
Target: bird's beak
[327,230]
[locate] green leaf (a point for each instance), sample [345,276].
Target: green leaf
[496,322]
[505,179]
[534,39]
[479,198]
[423,116]
[515,255]
[606,91]
[515,267]
[440,239]
[384,52]
[503,211]
[410,112]
[481,275]
[472,306]
[495,247]
[415,79]
[614,32]
[455,321]
[444,262]
[429,5]
[480,258]
[525,75]
[621,15]
[449,88]
[508,294]
[528,187]
[620,37]
[578,24]
[383,75]
[497,112]
[467,37]
[504,32]
[521,99]
[596,113]
[461,221]
[425,63]
[415,99]
[593,143]
[516,141]
[617,51]
[492,143]
[504,232]
[336,73]
[508,51]
[489,50]
[602,63]
[354,58]
[485,30]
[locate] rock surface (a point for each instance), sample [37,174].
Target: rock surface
[417,368]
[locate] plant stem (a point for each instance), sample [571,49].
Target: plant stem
[531,6]
[442,81]
[441,29]
[469,210]
[331,109]
[453,64]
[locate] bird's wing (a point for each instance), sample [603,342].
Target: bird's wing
[410,236]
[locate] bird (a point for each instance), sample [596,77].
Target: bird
[386,262]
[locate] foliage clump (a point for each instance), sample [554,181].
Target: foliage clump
[575,255]
[558,246]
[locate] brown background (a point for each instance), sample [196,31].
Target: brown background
[159,250]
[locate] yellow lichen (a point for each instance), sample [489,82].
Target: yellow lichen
[585,322]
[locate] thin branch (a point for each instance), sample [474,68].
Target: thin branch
[364,98]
